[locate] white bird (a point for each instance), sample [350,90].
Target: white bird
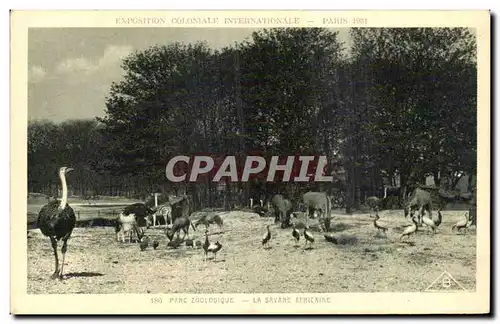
[308,236]
[267,237]
[461,224]
[410,229]
[430,223]
[214,248]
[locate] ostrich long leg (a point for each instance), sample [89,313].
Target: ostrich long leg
[56,257]
[63,250]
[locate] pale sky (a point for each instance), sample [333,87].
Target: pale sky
[70,70]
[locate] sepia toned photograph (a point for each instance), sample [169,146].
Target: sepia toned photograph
[287,164]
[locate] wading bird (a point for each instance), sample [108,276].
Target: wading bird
[308,236]
[266,238]
[409,230]
[379,226]
[461,223]
[214,248]
[296,234]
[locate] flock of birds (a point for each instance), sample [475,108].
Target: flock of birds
[207,246]
[57,220]
[309,238]
[431,224]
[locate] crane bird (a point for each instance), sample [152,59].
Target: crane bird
[296,234]
[463,223]
[308,236]
[214,248]
[439,219]
[206,245]
[144,244]
[379,226]
[409,230]
[430,223]
[57,221]
[267,237]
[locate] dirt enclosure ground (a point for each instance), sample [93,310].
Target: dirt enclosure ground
[96,263]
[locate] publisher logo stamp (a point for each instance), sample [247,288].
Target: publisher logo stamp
[445,282]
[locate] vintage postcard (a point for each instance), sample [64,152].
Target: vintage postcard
[250,162]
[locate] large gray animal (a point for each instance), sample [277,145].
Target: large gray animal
[317,202]
[181,208]
[419,200]
[282,210]
[181,223]
[210,218]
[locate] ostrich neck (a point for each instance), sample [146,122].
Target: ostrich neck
[64,197]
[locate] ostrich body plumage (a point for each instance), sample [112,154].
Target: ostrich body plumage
[57,221]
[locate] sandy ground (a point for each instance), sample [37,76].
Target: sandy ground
[96,263]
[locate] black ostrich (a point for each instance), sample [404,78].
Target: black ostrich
[57,221]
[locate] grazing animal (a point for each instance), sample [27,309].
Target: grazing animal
[57,221]
[430,223]
[206,245]
[133,218]
[419,200]
[461,223]
[327,223]
[379,226]
[296,234]
[267,237]
[126,225]
[163,211]
[155,244]
[374,204]
[189,242]
[409,230]
[214,248]
[181,223]
[208,219]
[317,202]
[144,243]
[140,211]
[282,210]
[308,236]
[181,208]
[198,244]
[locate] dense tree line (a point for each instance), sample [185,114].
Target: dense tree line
[401,102]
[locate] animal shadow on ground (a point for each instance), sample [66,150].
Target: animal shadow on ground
[216,261]
[340,227]
[84,274]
